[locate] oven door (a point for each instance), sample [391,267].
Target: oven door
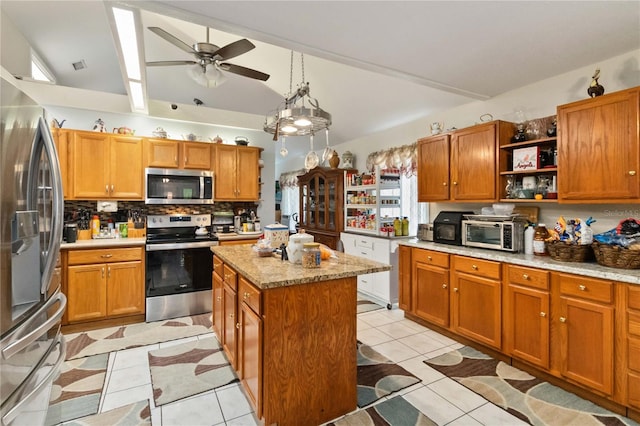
[178,268]
[482,234]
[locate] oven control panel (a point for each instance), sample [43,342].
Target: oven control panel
[178,220]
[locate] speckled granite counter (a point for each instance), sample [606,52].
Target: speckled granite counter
[590,269]
[103,242]
[270,272]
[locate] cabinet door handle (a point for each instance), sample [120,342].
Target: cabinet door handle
[108,271]
[582,287]
[455,182]
[525,276]
[218,298]
[106,256]
[563,319]
[444,285]
[238,325]
[474,267]
[106,189]
[102,271]
[632,172]
[230,315]
[455,289]
[543,314]
[444,183]
[112,187]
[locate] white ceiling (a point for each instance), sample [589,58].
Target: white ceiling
[371,64]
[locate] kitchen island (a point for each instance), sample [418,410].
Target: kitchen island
[290,332]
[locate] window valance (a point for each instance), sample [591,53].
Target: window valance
[403,157]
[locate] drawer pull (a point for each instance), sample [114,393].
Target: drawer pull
[219,298]
[106,256]
[363,253]
[474,267]
[246,295]
[632,172]
[525,276]
[455,289]
[582,287]
[543,314]
[563,319]
[444,285]
[429,258]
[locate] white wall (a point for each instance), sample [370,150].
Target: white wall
[536,100]
[15,52]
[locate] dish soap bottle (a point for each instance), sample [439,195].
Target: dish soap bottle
[540,235]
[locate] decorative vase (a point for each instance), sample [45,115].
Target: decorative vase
[334,160]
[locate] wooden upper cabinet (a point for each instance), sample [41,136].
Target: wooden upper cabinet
[433,168]
[61,140]
[474,164]
[104,166]
[462,166]
[599,149]
[237,173]
[174,154]
[196,155]
[161,153]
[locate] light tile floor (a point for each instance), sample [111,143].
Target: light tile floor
[387,331]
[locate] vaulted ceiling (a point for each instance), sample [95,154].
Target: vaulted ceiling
[371,64]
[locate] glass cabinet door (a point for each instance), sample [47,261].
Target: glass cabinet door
[332,191]
[321,202]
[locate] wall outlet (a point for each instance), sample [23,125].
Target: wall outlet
[107,206]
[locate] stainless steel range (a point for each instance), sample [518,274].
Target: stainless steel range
[179,264]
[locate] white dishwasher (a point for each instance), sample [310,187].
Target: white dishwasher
[379,286]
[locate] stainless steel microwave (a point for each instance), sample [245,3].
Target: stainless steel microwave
[172,186]
[496,235]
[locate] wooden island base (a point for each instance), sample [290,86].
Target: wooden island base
[309,350]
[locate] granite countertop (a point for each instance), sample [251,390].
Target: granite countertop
[103,243]
[271,272]
[589,269]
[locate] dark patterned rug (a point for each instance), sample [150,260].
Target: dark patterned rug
[378,376]
[533,400]
[130,336]
[366,305]
[76,392]
[392,412]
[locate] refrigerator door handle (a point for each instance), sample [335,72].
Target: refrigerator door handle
[57,206]
[19,344]
[11,415]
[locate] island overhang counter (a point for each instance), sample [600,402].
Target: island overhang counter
[290,332]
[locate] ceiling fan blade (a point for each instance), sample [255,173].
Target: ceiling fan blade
[167,63]
[243,71]
[234,49]
[172,39]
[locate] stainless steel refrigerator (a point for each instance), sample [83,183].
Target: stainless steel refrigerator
[32,348]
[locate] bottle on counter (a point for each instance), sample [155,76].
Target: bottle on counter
[405,226]
[528,239]
[95,226]
[540,235]
[397,227]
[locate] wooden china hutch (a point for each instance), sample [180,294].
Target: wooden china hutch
[321,204]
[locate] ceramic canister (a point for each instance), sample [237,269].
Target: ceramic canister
[296,245]
[276,233]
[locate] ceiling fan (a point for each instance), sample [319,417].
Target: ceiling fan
[209,54]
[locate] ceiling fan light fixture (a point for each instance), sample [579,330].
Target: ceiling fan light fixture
[207,76]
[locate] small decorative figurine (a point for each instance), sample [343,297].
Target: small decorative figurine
[334,160]
[99,126]
[553,130]
[347,160]
[521,136]
[436,128]
[595,89]
[55,124]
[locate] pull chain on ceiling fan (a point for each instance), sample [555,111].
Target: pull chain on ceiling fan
[207,69]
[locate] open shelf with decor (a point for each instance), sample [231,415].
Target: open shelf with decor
[372,202]
[528,169]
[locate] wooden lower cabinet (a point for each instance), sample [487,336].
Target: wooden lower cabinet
[526,314]
[217,286]
[112,288]
[584,318]
[294,351]
[404,278]
[476,300]
[430,286]
[582,333]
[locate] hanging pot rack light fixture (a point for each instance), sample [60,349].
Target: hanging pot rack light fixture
[294,117]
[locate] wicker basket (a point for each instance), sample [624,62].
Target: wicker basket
[564,252]
[616,256]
